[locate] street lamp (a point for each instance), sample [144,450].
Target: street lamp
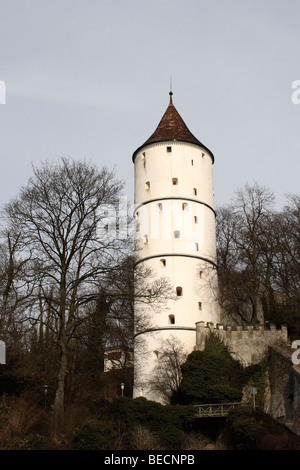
[46,390]
[253,391]
[122,388]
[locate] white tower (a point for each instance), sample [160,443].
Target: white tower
[175,226]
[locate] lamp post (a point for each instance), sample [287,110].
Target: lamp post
[253,391]
[122,389]
[45,390]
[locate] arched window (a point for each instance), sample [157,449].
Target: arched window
[147,185]
[200,305]
[171,319]
[163,262]
[176,233]
[175,180]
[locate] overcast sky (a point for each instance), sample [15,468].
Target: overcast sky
[90,78]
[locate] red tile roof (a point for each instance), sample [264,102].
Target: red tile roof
[172,128]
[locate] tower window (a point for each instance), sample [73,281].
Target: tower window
[145,239]
[155,353]
[200,274]
[203,154]
[179,291]
[159,205]
[147,185]
[163,262]
[144,158]
[196,219]
[192,162]
[200,305]
[184,206]
[197,246]
[195,191]
[177,234]
[171,319]
[169,149]
[175,180]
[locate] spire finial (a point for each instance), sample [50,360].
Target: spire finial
[171,92]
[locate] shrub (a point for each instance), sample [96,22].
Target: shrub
[256,376]
[18,417]
[96,435]
[242,427]
[30,442]
[210,376]
[143,439]
[170,437]
[164,423]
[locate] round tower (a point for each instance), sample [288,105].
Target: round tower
[175,231]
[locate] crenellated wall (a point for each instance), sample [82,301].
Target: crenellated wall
[248,344]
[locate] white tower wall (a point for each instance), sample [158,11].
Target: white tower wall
[175,229]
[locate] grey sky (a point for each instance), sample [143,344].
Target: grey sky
[90,78]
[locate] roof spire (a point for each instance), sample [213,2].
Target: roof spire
[171,128]
[171,93]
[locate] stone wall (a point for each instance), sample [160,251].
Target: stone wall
[248,345]
[284,381]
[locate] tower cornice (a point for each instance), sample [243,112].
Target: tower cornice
[173,198]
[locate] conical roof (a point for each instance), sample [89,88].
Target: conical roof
[172,128]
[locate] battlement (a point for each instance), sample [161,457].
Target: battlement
[247,344]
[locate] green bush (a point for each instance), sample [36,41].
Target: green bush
[256,376]
[170,437]
[210,376]
[166,423]
[242,428]
[96,435]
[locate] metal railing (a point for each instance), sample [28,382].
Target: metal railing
[214,410]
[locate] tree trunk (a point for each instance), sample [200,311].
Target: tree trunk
[59,402]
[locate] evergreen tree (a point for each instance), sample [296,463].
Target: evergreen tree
[210,376]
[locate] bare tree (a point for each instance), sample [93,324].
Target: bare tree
[243,233]
[57,215]
[286,264]
[15,288]
[167,374]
